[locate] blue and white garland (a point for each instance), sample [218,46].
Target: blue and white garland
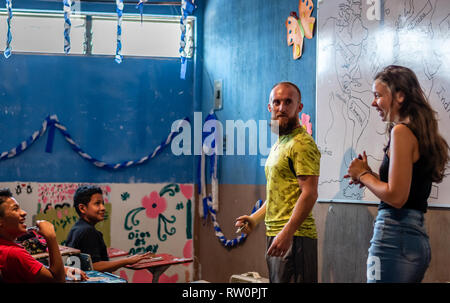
[51,122]
[119,10]
[213,168]
[67,5]
[218,230]
[187,7]
[7,52]
[210,204]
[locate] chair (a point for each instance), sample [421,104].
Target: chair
[81,261]
[86,262]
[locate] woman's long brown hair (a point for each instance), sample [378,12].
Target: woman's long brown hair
[422,118]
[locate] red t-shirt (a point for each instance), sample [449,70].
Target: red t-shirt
[16,264]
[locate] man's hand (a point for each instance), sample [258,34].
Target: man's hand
[247,223]
[280,245]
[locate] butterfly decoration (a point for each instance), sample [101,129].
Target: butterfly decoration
[300,27]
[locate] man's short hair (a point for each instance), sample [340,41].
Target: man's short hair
[83,195]
[291,84]
[5,193]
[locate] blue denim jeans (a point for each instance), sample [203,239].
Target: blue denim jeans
[400,249]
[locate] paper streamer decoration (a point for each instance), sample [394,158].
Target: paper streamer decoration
[187,7]
[7,52]
[213,157]
[299,27]
[218,230]
[52,122]
[67,5]
[119,10]
[140,6]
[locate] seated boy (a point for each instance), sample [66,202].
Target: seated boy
[88,202]
[16,264]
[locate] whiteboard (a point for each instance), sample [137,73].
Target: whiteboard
[356,39]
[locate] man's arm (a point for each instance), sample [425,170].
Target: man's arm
[302,209]
[252,220]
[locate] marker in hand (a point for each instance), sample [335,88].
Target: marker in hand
[242,227]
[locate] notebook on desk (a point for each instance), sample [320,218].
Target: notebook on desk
[100,277]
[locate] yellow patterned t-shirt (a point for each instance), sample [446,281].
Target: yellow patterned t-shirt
[296,152]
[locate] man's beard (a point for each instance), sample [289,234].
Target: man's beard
[283,128]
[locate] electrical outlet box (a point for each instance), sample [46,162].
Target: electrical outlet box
[218,94]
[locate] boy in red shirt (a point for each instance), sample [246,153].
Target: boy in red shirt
[16,264]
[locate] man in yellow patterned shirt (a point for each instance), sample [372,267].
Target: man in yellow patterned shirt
[292,173]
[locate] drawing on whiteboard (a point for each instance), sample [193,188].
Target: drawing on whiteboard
[356,40]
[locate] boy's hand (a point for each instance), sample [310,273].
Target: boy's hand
[136,258]
[75,274]
[46,229]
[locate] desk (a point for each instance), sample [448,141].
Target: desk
[115,252]
[158,266]
[64,250]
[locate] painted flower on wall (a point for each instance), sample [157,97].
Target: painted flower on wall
[305,122]
[154,204]
[187,190]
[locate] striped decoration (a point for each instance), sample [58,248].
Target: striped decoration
[7,52]
[218,231]
[187,7]
[52,121]
[119,10]
[67,5]
[140,7]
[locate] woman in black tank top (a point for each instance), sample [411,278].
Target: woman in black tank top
[415,156]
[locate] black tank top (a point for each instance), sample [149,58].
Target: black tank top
[420,184]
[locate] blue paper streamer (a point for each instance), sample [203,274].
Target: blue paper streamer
[7,52]
[140,6]
[50,137]
[211,116]
[119,10]
[67,6]
[187,7]
[51,121]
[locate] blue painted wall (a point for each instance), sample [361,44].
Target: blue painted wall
[114,112]
[245,46]
[122,112]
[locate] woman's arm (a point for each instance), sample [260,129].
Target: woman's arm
[403,153]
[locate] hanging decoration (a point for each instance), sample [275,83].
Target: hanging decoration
[209,204]
[7,52]
[218,230]
[51,123]
[213,168]
[140,6]
[300,27]
[187,7]
[119,10]
[67,5]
